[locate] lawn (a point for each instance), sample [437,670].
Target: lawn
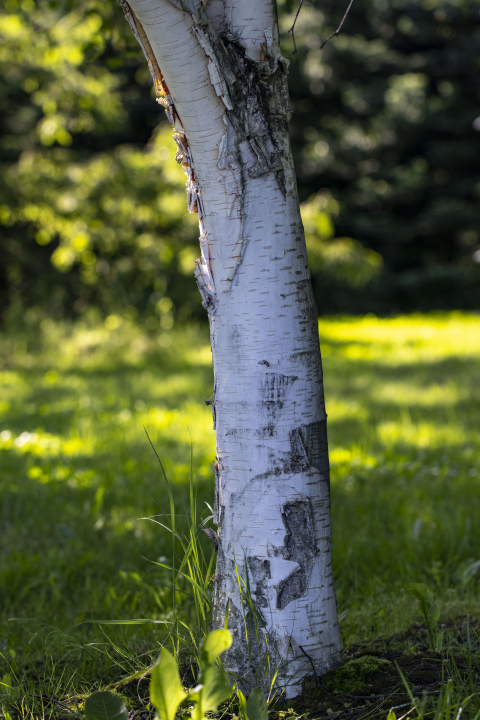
[78,478]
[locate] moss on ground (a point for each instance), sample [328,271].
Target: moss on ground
[356,675]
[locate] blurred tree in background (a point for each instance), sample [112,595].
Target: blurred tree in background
[386,135]
[387,117]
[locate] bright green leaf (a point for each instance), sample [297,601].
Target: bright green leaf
[166,691]
[215,690]
[104,705]
[214,644]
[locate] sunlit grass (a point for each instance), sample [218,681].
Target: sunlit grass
[403,400]
[77,473]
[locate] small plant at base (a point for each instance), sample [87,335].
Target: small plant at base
[167,693]
[214,687]
[255,708]
[429,612]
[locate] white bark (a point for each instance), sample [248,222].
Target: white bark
[225,91]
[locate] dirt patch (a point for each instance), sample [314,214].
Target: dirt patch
[370,681]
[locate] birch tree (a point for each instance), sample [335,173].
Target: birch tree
[220,76]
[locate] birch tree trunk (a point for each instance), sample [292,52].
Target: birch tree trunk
[218,72]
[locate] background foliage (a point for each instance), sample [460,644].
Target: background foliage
[385,134]
[387,117]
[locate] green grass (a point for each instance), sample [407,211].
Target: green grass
[403,399]
[77,473]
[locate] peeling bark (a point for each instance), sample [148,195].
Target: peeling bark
[220,76]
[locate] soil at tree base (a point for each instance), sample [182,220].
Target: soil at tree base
[367,685]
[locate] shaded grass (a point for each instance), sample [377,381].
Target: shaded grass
[76,473]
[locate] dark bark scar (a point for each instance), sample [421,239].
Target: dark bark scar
[300,547]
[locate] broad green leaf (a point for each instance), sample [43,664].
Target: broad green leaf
[104,705]
[420,591]
[215,690]
[257,705]
[391,715]
[166,691]
[214,644]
